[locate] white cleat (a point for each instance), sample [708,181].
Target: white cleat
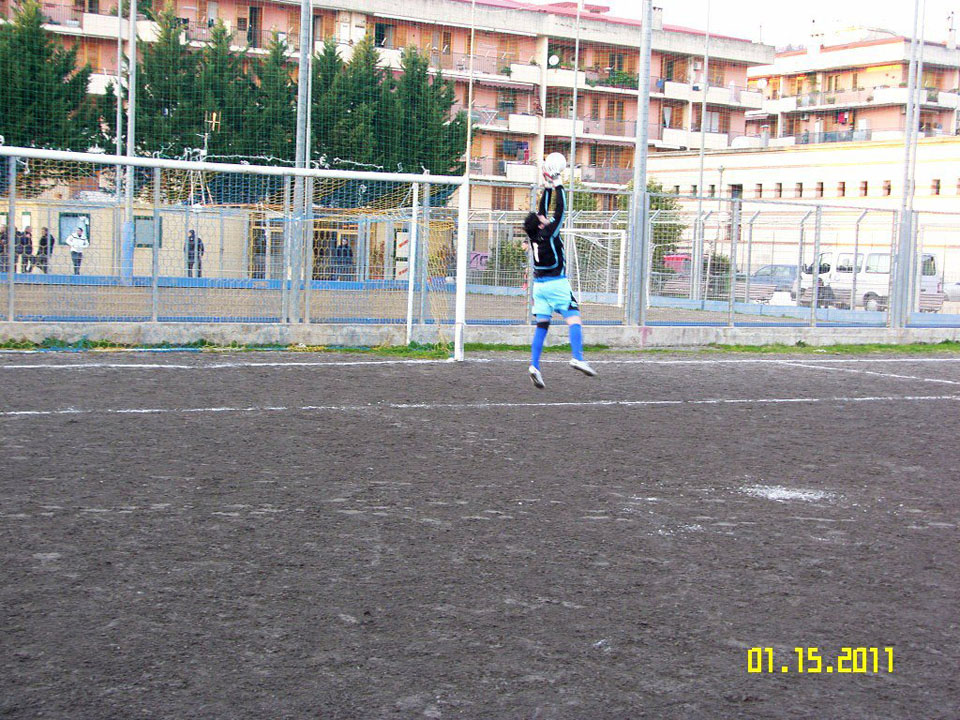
[536,377]
[583,366]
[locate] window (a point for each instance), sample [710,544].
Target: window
[778,190]
[935,187]
[856,81]
[595,108]
[616,62]
[758,190]
[864,188]
[798,191]
[713,191]
[507,101]
[383,35]
[676,189]
[878,263]
[929,266]
[841,189]
[502,198]
[446,43]
[845,262]
[69,222]
[615,110]
[819,189]
[693,189]
[887,188]
[143,234]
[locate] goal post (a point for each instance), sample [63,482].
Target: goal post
[596,264]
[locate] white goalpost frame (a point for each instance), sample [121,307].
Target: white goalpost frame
[104,159]
[591,235]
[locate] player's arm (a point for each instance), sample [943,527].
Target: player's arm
[544,206]
[558,213]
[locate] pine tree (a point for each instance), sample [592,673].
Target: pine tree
[43,95]
[276,104]
[357,92]
[169,118]
[325,111]
[424,135]
[227,107]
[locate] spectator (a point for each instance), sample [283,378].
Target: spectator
[194,253]
[78,242]
[343,259]
[44,251]
[24,250]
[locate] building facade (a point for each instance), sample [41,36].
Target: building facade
[522,58]
[852,87]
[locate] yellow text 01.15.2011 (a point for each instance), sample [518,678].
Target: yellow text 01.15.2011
[809,660]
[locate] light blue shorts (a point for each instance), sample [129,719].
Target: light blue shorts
[554,295]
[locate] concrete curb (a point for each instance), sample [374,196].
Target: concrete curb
[628,338]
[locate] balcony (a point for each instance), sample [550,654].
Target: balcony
[561,126]
[610,128]
[691,139]
[514,170]
[606,175]
[61,15]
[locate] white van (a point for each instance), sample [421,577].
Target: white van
[871,277]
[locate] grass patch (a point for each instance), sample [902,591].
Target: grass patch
[445,350]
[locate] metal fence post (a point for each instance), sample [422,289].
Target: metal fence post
[155,255]
[815,289]
[11,232]
[856,262]
[648,263]
[287,244]
[423,257]
[463,230]
[306,255]
[746,289]
[803,221]
[734,235]
[412,252]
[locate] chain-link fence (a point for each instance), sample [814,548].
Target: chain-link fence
[217,246]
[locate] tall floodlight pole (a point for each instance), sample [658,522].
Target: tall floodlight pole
[640,243]
[900,299]
[697,268]
[573,112]
[463,210]
[131,109]
[304,80]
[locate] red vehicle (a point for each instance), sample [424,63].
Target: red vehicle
[678,263]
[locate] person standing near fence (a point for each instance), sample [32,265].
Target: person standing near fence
[24,250]
[551,288]
[194,253]
[44,251]
[77,241]
[343,259]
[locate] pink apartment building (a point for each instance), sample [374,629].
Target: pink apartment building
[523,69]
[853,87]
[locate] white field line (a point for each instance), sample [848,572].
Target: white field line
[474,406]
[856,371]
[213,366]
[414,361]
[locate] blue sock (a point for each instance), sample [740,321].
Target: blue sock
[536,347]
[576,340]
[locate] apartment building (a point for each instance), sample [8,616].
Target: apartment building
[522,56]
[852,86]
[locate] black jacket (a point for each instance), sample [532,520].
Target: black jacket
[548,258]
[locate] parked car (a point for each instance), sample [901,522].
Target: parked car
[952,291]
[783,277]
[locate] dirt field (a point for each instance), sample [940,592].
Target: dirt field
[303,536]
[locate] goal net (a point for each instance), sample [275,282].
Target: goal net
[595,264]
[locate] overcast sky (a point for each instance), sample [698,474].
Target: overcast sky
[790,23]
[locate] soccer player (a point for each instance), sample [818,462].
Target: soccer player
[551,289]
